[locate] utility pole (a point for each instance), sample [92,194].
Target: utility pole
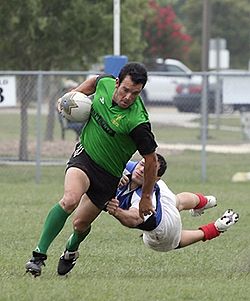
[116,27]
[114,63]
[206,15]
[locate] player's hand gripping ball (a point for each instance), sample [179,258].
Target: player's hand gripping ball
[75,106]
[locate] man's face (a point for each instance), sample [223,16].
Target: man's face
[126,92]
[138,173]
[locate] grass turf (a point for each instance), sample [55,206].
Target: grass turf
[113,263]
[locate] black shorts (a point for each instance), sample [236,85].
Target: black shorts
[103,185]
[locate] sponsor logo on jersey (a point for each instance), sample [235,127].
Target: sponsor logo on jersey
[102,100]
[102,122]
[116,120]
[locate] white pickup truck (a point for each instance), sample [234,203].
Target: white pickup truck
[162,83]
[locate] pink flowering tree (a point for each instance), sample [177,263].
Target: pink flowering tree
[165,36]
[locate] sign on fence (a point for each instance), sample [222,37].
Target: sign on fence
[236,90]
[7,91]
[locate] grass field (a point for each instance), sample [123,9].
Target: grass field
[172,134]
[113,263]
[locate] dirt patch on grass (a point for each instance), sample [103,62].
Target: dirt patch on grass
[49,149]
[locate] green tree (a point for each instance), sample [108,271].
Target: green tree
[66,34]
[132,40]
[61,35]
[229,20]
[56,34]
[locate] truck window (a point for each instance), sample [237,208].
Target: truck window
[172,68]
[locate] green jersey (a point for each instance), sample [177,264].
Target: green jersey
[105,137]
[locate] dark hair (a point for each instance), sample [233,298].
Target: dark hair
[136,71]
[163,165]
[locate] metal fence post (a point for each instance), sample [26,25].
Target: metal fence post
[38,127]
[204,126]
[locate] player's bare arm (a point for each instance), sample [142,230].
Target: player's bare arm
[150,172]
[129,218]
[88,86]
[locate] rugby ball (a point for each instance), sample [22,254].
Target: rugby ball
[76,106]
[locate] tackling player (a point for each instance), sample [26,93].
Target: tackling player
[162,230]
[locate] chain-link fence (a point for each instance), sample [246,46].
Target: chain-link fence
[202,112]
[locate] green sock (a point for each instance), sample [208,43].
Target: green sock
[52,226]
[75,239]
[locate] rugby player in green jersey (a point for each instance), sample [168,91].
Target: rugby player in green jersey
[118,127]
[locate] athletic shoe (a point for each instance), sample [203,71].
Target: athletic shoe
[228,219]
[211,202]
[67,262]
[34,266]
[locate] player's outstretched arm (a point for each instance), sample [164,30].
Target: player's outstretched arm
[129,218]
[150,172]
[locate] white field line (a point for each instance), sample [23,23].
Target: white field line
[230,149]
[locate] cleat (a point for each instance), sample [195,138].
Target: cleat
[211,202]
[34,266]
[67,262]
[228,219]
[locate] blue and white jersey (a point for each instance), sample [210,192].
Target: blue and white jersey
[131,198]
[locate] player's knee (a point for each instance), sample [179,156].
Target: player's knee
[81,225]
[70,201]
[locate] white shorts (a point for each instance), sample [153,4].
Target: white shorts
[167,235]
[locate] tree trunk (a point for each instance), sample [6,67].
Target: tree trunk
[55,91]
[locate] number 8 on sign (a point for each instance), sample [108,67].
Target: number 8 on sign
[1,95]
[7,91]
